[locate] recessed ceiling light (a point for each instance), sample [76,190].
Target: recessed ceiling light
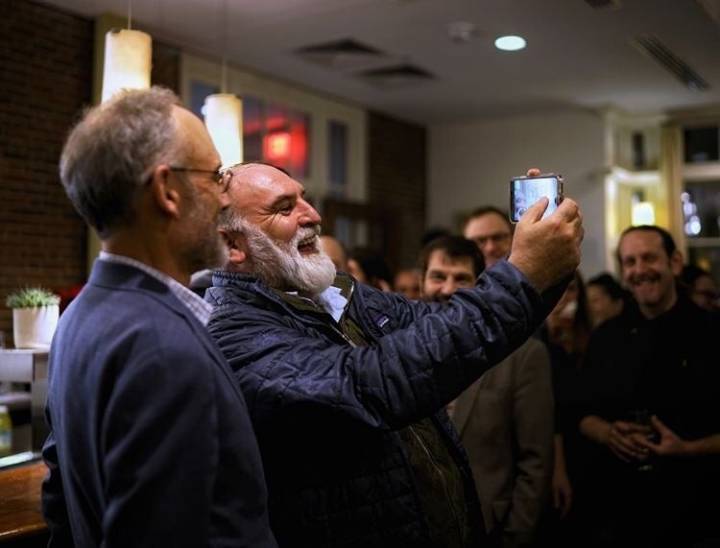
[510,43]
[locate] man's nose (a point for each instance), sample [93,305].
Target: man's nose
[310,216]
[448,288]
[489,247]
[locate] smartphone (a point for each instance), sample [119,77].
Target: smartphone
[525,191]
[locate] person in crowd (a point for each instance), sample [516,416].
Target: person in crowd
[505,419]
[407,282]
[347,385]
[702,288]
[653,415]
[433,232]
[336,251]
[491,230]
[568,325]
[606,298]
[369,267]
[150,440]
[566,332]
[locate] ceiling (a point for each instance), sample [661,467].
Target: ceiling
[576,56]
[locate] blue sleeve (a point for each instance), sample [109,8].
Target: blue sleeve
[158,444]
[408,374]
[53,499]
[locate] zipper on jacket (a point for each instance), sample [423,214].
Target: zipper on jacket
[345,337]
[333,324]
[442,477]
[349,298]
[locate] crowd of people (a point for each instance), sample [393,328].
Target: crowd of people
[486,396]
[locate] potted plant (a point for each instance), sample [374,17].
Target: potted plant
[35,317]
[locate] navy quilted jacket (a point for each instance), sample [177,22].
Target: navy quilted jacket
[326,412]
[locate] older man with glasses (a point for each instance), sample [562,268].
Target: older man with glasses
[150,442]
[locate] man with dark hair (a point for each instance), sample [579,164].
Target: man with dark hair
[653,390]
[450,249]
[491,230]
[150,441]
[505,419]
[346,383]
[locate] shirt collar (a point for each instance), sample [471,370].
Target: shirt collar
[333,302]
[199,308]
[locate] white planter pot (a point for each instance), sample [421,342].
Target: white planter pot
[34,327]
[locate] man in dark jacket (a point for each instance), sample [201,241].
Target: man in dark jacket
[653,389]
[150,442]
[345,384]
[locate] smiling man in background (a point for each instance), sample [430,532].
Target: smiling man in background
[653,386]
[490,229]
[505,419]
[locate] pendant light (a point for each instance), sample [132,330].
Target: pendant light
[223,113]
[128,59]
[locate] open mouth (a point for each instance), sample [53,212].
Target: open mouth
[645,281]
[308,245]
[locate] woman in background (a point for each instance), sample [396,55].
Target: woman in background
[566,333]
[606,298]
[701,287]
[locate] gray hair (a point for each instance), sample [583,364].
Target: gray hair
[231,221]
[111,152]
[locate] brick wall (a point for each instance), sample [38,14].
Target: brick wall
[46,60]
[397,176]
[45,82]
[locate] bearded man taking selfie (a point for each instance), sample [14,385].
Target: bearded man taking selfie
[346,385]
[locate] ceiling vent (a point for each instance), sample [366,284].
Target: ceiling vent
[652,46]
[397,76]
[341,55]
[603,4]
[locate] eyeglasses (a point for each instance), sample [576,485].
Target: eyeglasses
[497,238]
[219,176]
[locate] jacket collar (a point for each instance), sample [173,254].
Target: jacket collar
[125,277]
[248,282]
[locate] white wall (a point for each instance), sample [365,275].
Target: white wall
[471,165]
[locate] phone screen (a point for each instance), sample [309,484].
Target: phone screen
[524,192]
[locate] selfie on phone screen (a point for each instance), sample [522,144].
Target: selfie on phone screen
[526,191]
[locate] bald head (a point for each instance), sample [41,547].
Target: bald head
[272,231]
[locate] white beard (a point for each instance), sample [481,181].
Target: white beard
[282,266]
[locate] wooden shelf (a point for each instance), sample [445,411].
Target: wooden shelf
[20,514]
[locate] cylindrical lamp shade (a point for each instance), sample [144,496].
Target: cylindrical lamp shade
[223,118]
[128,59]
[643,213]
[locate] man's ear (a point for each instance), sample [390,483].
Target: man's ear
[236,245]
[676,263]
[164,193]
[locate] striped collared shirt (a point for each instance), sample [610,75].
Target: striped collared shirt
[199,308]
